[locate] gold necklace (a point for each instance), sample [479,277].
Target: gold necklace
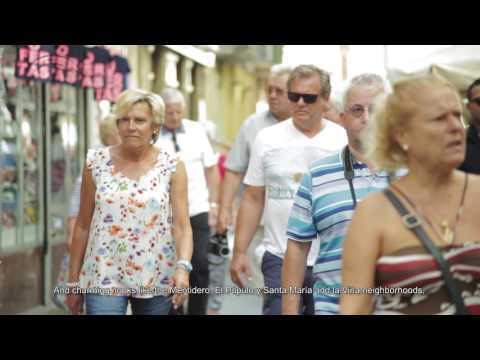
[447,234]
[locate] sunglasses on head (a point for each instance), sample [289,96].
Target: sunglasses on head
[476,101]
[307,98]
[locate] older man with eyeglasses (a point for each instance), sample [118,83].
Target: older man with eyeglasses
[325,202]
[472,159]
[281,155]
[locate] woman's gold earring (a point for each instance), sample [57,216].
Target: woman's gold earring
[405,147]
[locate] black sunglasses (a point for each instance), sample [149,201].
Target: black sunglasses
[476,101]
[307,98]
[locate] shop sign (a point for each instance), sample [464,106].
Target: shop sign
[74,65]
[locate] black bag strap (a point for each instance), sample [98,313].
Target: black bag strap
[414,224]
[349,173]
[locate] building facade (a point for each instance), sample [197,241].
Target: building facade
[46,119]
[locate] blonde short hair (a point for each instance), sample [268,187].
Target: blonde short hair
[107,128]
[127,99]
[394,112]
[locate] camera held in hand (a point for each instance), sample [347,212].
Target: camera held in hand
[219,245]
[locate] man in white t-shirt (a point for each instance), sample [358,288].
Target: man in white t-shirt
[189,140]
[281,155]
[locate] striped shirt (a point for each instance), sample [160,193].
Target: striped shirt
[413,284]
[324,206]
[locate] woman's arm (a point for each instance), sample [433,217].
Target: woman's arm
[182,230]
[70,230]
[360,253]
[80,238]
[82,226]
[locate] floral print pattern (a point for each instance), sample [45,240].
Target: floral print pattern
[130,245]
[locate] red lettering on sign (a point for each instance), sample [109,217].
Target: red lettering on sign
[61,63]
[99,69]
[88,70]
[98,94]
[98,82]
[36,62]
[72,64]
[104,94]
[87,82]
[32,56]
[44,72]
[60,75]
[33,71]
[62,50]
[111,67]
[23,54]
[71,77]
[21,68]
[90,58]
[44,58]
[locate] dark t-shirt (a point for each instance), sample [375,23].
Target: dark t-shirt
[472,159]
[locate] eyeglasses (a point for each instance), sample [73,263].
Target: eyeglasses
[307,98]
[359,110]
[476,101]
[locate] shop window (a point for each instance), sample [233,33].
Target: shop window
[26,109]
[20,134]
[63,154]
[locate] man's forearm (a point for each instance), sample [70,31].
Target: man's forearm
[248,219]
[293,275]
[231,185]
[213,184]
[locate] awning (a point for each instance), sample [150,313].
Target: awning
[459,64]
[202,57]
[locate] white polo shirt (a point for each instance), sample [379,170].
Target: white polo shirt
[197,154]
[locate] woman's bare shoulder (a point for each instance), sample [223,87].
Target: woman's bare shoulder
[374,202]
[473,192]
[474,181]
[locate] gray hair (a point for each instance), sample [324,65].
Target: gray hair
[280,70]
[372,81]
[172,96]
[336,99]
[308,71]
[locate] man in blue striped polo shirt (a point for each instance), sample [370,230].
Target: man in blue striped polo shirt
[325,202]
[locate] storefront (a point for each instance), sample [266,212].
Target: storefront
[48,102]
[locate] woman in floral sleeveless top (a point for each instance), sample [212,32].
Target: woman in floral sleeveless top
[133,240]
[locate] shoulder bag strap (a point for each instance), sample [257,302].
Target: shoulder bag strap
[414,224]
[349,173]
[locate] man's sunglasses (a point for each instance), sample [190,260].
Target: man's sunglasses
[476,101]
[307,98]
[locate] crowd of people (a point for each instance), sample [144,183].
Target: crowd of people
[359,205]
